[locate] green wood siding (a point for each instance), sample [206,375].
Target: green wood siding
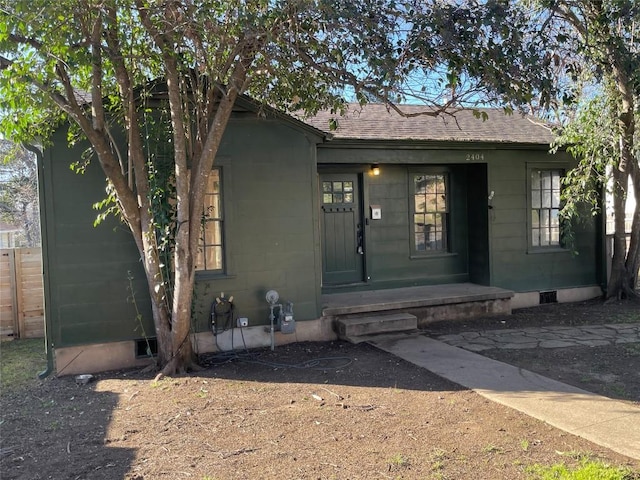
[389,256]
[490,244]
[272,230]
[514,266]
[87,266]
[270,187]
[269,181]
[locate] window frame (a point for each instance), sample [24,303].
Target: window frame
[546,167]
[218,219]
[446,223]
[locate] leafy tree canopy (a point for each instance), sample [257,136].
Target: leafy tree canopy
[105,66]
[597,46]
[19,192]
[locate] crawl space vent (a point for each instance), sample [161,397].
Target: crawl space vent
[549,297]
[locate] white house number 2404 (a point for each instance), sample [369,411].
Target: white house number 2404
[474,157]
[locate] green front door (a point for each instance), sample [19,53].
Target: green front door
[342,232]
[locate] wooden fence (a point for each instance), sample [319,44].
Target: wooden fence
[21,293]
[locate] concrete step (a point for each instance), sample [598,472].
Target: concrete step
[349,328]
[415,298]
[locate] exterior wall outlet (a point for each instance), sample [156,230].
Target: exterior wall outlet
[243,322]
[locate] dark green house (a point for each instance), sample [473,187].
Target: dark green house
[439,217]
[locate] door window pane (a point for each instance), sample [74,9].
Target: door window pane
[337,192]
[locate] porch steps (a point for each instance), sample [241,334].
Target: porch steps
[360,328]
[430,303]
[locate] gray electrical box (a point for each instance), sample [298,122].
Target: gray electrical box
[286,322]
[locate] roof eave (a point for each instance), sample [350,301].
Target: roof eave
[434,144]
[248,103]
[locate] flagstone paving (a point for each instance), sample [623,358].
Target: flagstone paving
[545,337]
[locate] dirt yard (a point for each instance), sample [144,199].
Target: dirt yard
[612,371]
[306,411]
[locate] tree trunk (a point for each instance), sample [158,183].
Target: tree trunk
[633,255]
[625,262]
[186,240]
[158,293]
[622,278]
[618,270]
[182,358]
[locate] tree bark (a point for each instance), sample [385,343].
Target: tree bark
[190,192]
[181,349]
[617,64]
[633,255]
[189,211]
[618,271]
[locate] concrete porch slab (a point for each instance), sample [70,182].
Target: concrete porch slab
[350,303]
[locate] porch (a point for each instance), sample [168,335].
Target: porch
[362,313]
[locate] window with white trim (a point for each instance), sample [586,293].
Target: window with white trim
[210,255]
[545,207]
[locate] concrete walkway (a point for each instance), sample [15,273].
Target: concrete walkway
[610,423]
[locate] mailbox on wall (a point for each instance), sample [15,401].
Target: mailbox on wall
[376,212]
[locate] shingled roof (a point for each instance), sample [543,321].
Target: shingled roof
[375,122]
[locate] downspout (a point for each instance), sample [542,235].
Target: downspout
[45,261]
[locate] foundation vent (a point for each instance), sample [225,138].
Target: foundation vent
[550,296]
[146,347]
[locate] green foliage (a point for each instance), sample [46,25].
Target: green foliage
[587,470]
[589,138]
[480,50]
[592,137]
[398,460]
[594,47]
[146,84]
[309,55]
[19,192]
[107,206]
[162,191]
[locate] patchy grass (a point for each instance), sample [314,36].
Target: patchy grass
[20,363]
[625,317]
[587,470]
[492,449]
[398,461]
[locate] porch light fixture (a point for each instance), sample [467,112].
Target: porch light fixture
[375,169]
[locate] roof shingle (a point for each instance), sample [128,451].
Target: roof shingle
[377,122]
